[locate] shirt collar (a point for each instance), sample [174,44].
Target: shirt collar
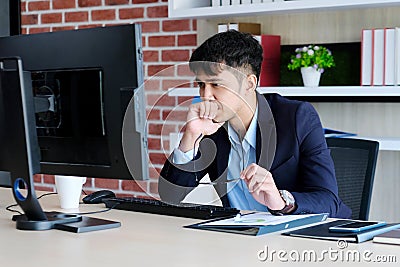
[251,134]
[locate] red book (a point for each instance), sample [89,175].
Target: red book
[270,67]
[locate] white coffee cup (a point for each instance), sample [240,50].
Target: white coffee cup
[69,189]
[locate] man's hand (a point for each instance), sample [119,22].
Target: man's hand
[262,186]
[200,120]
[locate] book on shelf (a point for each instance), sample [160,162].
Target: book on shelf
[391,237]
[258,223]
[397,55]
[321,231]
[270,66]
[252,28]
[378,56]
[366,57]
[389,57]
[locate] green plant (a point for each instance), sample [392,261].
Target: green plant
[315,56]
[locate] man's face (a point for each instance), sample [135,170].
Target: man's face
[224,88]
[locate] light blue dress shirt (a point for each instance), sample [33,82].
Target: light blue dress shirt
[241,155]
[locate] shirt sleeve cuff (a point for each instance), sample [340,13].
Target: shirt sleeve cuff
[181,157]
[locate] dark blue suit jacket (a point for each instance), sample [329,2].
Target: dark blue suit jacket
[290,144]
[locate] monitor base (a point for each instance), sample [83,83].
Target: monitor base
[53,218]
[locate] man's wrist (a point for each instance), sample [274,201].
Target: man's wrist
[188,142]
[290,204]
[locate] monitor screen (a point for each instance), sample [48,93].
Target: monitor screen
[84,84]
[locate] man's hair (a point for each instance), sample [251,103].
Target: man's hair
[235,49]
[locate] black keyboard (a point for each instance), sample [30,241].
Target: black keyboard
[158,207]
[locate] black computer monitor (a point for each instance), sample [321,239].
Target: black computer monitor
[84,83]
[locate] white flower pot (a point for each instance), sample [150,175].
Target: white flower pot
[310,76]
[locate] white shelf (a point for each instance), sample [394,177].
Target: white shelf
[322,91]
[385,143]
[202,8]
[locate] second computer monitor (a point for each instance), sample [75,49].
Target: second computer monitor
[83,82]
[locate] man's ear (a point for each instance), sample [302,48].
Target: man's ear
[251,83]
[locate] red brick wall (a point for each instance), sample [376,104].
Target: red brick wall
[166,42]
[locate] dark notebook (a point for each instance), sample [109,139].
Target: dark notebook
[321,231]
[88,224]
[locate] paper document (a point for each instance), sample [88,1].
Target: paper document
[257,219]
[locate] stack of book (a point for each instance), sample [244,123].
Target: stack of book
[380,56]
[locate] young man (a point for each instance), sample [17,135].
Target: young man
[274,145]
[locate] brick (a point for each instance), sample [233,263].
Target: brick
[24,30]
[39,30]
[184,100]
[160,70]
[62,28]
[116,2]
[153,114]
[23,6]
[161,100]
[184,70]
[87,26]
[175,55]
[152,85]
[131,13]
[41,5]
[154,143]
[176,25]
[175,83]
[76,16]
[63,4]
[37,178]
[157,158]
[162,41]
[48,179]
[135,186]
[150,26]
[106,183]
[29,19]
[187,40]
[176,115]
[108,14]
[89,3]
[143,1]
[157,12]
[164,129]
[151,56]
[51,18]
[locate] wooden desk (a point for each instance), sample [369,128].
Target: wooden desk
[154,240]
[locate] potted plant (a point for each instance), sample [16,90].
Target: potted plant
[312,60]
